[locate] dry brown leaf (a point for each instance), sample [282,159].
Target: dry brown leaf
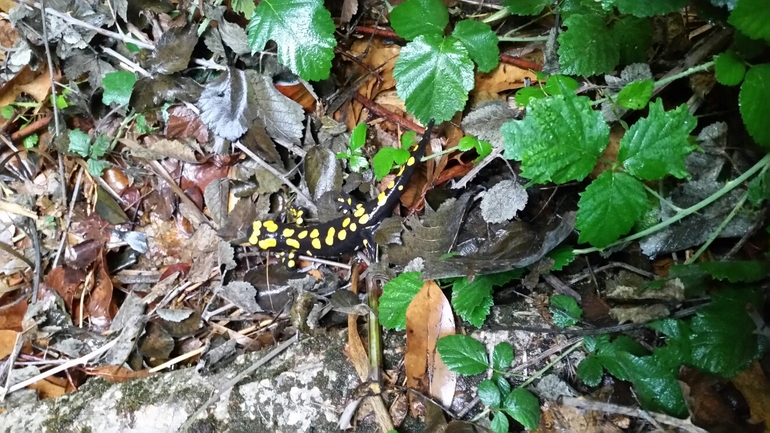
[11,90]
[116,374]
[7,341]
[610,153]
[381,59]
[428,318]
[557,418]
[40,87]
[503,78]
[755,387]
[49,387]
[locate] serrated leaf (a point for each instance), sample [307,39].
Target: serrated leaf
[590,371]
[648,8]
[283,118]
[562,256]
[558,141]
[634,37]
[303,31]
[385,158]
[473,299]
[501,202]
[751,17]
[560,84]
[413,18]
[499,423]
[587,47]
[397,294]
[481,43]
[658,145]
[565,311]
[524,407]
[358,137]
[173,50]
[118,87]
[655,382]
[526,94]
[636,95]
[96,167]
[736,271]
[463,354]
[615,194]
[724,341]
[30,141]
[502,356]
[502,383]
[227,105]
[526,7]
[489,394]
[433,76]
[100,146]
[753,97]
[759,189]
[729,68]
[80,142]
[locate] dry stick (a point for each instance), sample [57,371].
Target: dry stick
[276,173]
[610,265]
[83,24]
[389,115]
[11,360]
[32,128]
[69,217]
[582,404]
[232,382]
[195,215]
[71,363]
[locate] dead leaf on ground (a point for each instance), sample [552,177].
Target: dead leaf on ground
[428,318]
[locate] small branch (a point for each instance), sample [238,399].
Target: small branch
[69,218]
[521,63]
[388,115]
[376,31]
[525,39]
[719,229]
[33,127]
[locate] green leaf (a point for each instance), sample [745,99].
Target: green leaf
[7,111]
[658,145]
[736,271]
[414,18]
[96,167]
[397,294]
[724,341]
[384,159]
[408,139]
[590,371]
[753,97]
[526,7]
[100,147]
[752,17]
[759,189]
[303,31]
[463,354]
[80,142]
[607,353]
[358,137]
[481,43]
[565,310]
[358,163]
[502,356]
[587,47]
[118,86]
[489,394]
[591,343]
[616,194]
[746,47]
[648,8]
[524,407]
[655,382]
[502,383]
[142,126]
[30,141]
[499,423]
[730,68]
[559,139]
[636,95]
[433,76]
[562,256]
[473,299]
[245,7]
[525,94]
[560,84]
[634,37]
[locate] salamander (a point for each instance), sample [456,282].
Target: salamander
[350,232]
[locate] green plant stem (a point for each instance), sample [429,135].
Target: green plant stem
[533,21]
[443,152]
[729,186]
[529,39]
[719,229]
[499,15]
[663,200]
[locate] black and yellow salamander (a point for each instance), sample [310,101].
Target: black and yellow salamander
[345,234]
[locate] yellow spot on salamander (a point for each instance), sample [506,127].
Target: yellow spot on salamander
[254,238]
[353,227]
[267,243]
[363,220]
[292,243]
[360,211]
[330,236]
[314,234]
[291,255]
[342,234]
[345,222]
[309,253]
[271,226]
[291,264]
[287,233]
[401,187]
[400,171]
[381,199]
[410,161]
[365,242]
[391,184]
[302,234]
[316,243]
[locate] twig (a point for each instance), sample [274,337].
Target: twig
[383,33]
[50,69]
[389,115]
[32,128]
[760,220]
[83,24]
[195,215]
[521,63]
[583,404]
[719,228]
[234,381]
[35,237]
[10,362]
[10,250]
[69,218]
[69,364]
[132,66]
[309,202]
[610,265]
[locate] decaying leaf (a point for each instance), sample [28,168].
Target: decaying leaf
[227,106]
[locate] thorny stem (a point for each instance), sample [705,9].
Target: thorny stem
[662,199]
[527,39]
[729,186]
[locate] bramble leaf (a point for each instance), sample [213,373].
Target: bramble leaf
[499,423]
[526,7]
[118,86]
[565,311]
[433,76]
[616,194]
[80,142]
[413,18]
[463,354]
[473,299]
[481,43]
[397,294]
[384,159]
[751,18]
[753,97]
[590,371]
[648,8]
[636,95]
[658,145]
[730,68]
[524,407]
[489,394]
[303,31]
[558,141]
[502,356]
[562,256]
[587,47]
